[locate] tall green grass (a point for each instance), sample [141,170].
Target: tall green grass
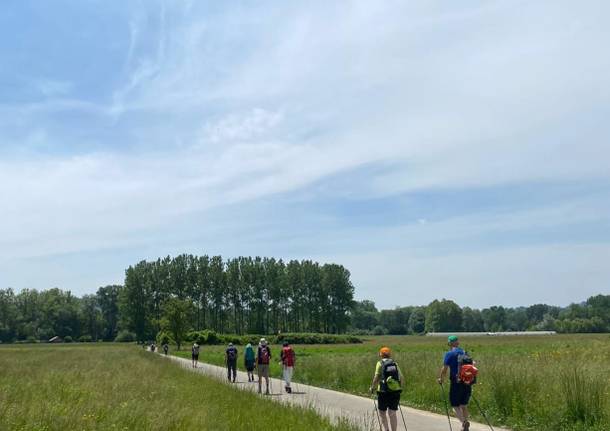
[118,387]
[558,383]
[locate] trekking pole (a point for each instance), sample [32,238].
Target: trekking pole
[446,406]
[403,417]
[482,412]
[377,412]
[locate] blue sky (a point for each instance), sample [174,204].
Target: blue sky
[436,149]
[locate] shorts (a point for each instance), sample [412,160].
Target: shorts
[249,366]
[388,400]
[263,370]
[459,394]
[195,357]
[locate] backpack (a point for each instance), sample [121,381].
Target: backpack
[390,378]
[249,354]
[467,372]
[264,355]
[288,356]
[231,354]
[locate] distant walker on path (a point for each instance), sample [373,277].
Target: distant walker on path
[263,357]
[231,361]
[249,361]
[287,361]
[195,354]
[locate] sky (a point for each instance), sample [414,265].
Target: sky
[454,150]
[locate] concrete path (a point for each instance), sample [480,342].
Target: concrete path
[359,411]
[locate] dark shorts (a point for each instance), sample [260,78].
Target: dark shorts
[195,357]
[388,400]
[459,394]
[249,365]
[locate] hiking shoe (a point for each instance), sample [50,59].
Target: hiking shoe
[466,426]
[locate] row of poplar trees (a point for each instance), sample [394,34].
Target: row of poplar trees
[244,295]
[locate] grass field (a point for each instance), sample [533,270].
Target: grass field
[121,387]
[527,383]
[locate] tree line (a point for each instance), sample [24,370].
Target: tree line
[258,296]
[593,315]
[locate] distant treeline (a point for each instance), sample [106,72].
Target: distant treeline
[593,315]
[238,296]
[257,296]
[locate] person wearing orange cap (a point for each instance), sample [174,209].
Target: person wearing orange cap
[387,381]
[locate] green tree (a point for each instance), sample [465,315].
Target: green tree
[176,318]
[443,316]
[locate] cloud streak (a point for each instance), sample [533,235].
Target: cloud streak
[213,109]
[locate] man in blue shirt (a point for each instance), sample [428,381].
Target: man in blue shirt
[459,393]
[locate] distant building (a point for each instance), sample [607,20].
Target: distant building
[56,339]
[491,334]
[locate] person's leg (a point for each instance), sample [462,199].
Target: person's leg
[465,415]
[234,371]
[260,378]
[455,396]
[393,419]
[384,419]
[288,378]
[267,379]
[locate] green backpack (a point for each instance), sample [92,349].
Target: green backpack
[390,378]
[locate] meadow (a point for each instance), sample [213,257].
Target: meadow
[121,387]
[558,382]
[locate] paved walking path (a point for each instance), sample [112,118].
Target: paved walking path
[332,404]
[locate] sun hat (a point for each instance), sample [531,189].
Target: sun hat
[263,342]
[385,351]
[452,338]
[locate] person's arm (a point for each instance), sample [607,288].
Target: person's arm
[442,374]
[376,378]
[400,379]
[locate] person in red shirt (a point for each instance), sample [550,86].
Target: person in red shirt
[287,361]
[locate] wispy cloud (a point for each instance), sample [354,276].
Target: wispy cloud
[209,108]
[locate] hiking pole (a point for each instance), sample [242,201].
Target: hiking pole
[446,406]
[377,412]
[403,417]
[482,412]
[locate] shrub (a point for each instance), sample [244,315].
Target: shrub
[379,330]
[125,336]
[203,337]
[67,339]
[85,339]
[210,338]
[164,337]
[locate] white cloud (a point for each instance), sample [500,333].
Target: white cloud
[228,106]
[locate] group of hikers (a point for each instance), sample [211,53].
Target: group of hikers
[387,384]
[258,361]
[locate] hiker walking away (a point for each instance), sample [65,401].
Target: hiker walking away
[263,357]
[287,361]
[459,392]
[249,360]
[152,347]
[165,348]
[231,361]
[195,354]
[387,381]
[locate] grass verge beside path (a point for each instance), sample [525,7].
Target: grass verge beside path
[541,383]
[119,387]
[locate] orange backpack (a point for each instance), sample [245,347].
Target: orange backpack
[468,374]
